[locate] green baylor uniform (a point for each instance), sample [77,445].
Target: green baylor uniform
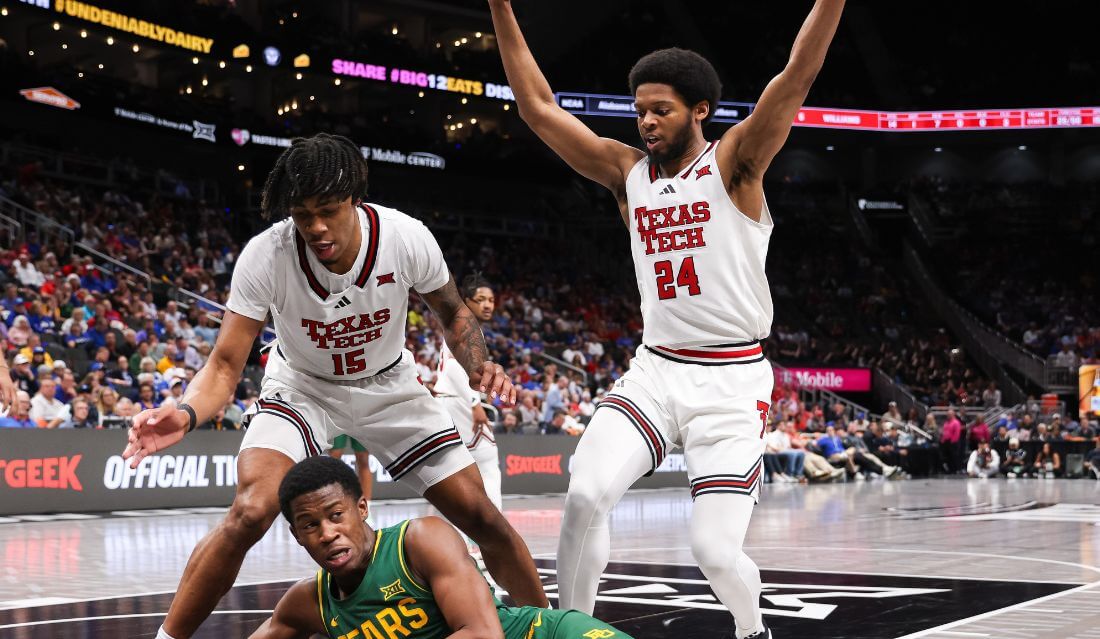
[390,604]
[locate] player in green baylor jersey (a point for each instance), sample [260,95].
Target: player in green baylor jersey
[410,581]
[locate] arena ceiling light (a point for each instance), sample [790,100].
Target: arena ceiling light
[57,26]
[110,41]
[4,11]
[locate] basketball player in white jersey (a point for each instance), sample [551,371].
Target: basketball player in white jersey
[335,278]
[699,228]
[452,387]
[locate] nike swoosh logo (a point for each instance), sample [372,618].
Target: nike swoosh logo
[535,624]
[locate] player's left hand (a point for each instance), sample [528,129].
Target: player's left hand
[490,378]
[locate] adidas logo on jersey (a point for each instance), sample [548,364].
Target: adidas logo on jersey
[668,190]
[344,301]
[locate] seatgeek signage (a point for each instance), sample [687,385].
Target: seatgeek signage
[83,471]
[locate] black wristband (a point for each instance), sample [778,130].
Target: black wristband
[191,416]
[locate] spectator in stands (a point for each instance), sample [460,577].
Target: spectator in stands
[220,422]
[205,329]
[107,408]
[950,440]
[1048,463]
[856,447]
[984,462]
[1092,460]
[39,356]
[1067,358]
[1056,427]
[586,407]
[21,374]
[1015,461]
[1042,433]
[118,377]
[1026,428]
[27,273]
[20,332]
[77,318]
[19,417]
[147,398]
[555,399]
[884,446]
[979,433]
[11,300]
[46,410]
[77,337]
[777,465]
[528,412]
[893,414]
[991,397]
[566,424]
[81,415]
[510,423]
[66,385]
[1087,430]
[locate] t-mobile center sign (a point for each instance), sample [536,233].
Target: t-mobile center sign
[840,380]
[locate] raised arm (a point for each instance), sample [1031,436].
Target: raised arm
[599,159]
[296,616]
[463,336]
[748,148]
[439,557]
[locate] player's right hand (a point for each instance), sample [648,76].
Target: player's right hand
[153,430]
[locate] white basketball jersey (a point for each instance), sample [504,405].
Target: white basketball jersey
[338,327]
[698,260]
[453,381]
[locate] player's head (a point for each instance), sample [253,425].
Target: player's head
[323,501]
[318,181]
[478,295]
[676,92]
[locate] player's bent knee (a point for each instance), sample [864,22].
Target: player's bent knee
[249,518]
[584,502]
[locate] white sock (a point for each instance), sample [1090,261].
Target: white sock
[161,634]
[719,522]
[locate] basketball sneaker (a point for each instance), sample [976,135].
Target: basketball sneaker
[766,633]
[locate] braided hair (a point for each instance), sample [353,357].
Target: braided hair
[326,166]
[471,283]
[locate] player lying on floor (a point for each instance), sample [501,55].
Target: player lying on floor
[411,580]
